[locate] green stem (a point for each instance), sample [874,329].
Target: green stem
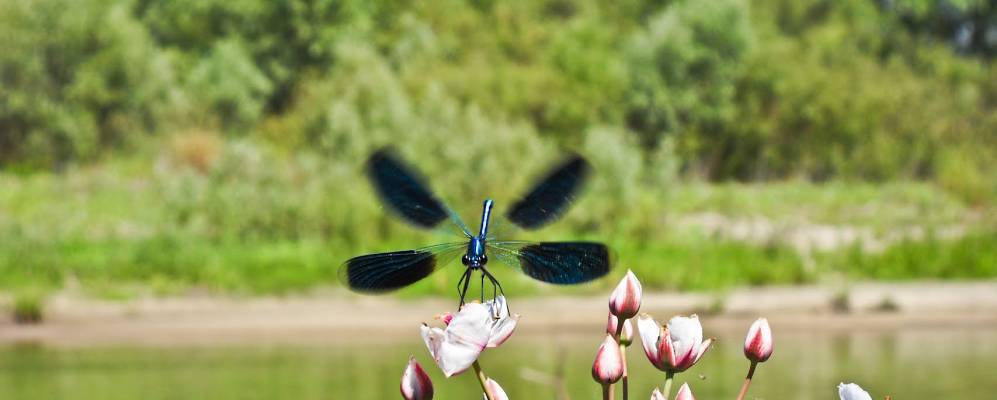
[482,379]
[668,384]
[607,392]
[747,381]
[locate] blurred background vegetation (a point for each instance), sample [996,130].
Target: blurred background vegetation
[169,145]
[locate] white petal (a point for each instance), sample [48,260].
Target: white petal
[686,333]
[502,330]
[472,326]
[649,331]
[497,307]
[851,391]
[656,395]
[433,337]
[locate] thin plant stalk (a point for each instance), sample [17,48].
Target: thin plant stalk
[747,381]
[667,389]
[626,378]
[482,379]
[607,392]
[623,354]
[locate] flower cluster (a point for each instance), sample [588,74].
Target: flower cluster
[672,348]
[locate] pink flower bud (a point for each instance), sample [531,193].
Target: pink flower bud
[758,343]
[495,390]
[608,365]
[625,300]
[626,336]
[415,383]
[656,395]
[684,393]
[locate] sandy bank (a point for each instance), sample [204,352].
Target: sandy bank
[341,317]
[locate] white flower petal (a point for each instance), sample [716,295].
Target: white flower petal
[851,391]
[497,307]
[502,330]
[649,331]
[686,333]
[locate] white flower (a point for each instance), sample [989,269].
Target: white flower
[851,391]
[475,327]
[675,347]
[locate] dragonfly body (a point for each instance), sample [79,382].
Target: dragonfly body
[405,193]
[476,257]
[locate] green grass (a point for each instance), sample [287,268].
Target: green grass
[971,257]
[127,228]
[884,205]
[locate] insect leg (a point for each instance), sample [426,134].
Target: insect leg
[463,290]
[461,282]
[495,284]
[482,285]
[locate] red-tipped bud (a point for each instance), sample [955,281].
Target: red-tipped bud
[625,300]
[758,343]
[415,383]
[626,335]
[608,365]
[684,393]
[494,390]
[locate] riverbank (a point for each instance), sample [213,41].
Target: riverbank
[335,316]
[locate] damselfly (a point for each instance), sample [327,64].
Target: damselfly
[406,193]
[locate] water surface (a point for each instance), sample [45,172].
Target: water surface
[912,364]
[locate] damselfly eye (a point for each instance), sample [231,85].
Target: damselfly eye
[464,260]
[484,259]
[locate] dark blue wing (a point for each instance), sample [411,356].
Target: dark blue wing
[405,192]
[384,272]
[562,263]
[550,196]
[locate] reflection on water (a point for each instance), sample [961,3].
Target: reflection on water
[955,363]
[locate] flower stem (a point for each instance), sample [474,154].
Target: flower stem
[626,377]
[668,384]
[623,353]
[747,381]
[482,379]
[607,392]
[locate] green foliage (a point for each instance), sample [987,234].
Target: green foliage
[219,143]
[29,305]
[973,256]
[779,89]
[684,68]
